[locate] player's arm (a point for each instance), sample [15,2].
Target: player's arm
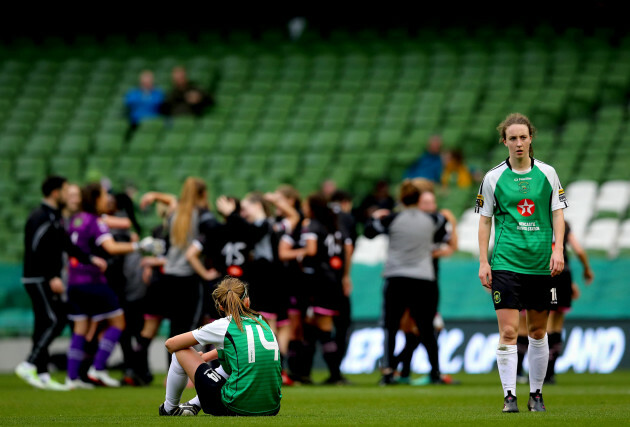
[192,255]
[180,342]
[581,254]
[286,252]
[451,243]
[116,222]
[346,280]
[556,264]
[151,197]
[485,272]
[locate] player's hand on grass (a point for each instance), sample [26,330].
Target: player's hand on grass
[485,274]
[56,285]
[556,264]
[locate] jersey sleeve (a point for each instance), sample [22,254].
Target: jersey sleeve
[374,227]
[558,198]
[484,204]
[312,231]
[100,232]
[441,233]
[213,333]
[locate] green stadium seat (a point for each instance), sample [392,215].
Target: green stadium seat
[98,166]
[70,167]
[157,166]
[11,145]
[264,142]
[189,165]
[203,142]
[220,166]
[172,143]
[142,144]
[108,144]
[40,146]
[74,145]
[30,169]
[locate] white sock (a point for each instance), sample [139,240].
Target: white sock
[222,372]
[195,401]
[507,359]
[538,357]
[176,382]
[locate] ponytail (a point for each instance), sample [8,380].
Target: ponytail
[229,299]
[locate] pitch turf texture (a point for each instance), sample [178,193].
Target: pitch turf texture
[577,400]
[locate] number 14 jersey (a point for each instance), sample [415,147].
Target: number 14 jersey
[251,358]
[522,204]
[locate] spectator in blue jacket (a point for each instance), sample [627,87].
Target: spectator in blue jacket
[429,165]
[144,102]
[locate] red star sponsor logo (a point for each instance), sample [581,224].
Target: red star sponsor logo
[526,207]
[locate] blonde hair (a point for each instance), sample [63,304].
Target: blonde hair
[229,298]
[192,191]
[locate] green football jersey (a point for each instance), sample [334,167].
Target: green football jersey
[522,204]
[251,358]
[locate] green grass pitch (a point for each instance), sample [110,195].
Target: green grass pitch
[576,400]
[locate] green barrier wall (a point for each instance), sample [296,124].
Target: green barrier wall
[461,295]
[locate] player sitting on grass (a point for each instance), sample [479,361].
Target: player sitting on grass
[248,380]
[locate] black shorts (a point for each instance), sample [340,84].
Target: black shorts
[208,384]
[325,295]
[178,298]
[522,291]
[297,293]
[264,288]
[562,283]
[95,301]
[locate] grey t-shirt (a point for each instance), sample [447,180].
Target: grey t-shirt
[411,236]
[176,262]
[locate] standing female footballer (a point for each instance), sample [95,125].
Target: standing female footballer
[178,294]
[409,276]
[90,297]
[248,380]
[327,255]
[526,199]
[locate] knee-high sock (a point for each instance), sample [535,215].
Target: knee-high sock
[411,343]
[506,362]
[538,356]
[105,347]
[521,347]
[75,355]
[330,353]
[176,381]
[555,348]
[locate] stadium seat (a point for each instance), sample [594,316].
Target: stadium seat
[602,236]
[613,198]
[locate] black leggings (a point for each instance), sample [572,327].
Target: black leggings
[50,318]
[421,298]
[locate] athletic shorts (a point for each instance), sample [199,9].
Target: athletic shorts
[562,283]
[264,288]
[297,293]
[179,299]
[208,384]
[522,291]
[96,301]
[325,294]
